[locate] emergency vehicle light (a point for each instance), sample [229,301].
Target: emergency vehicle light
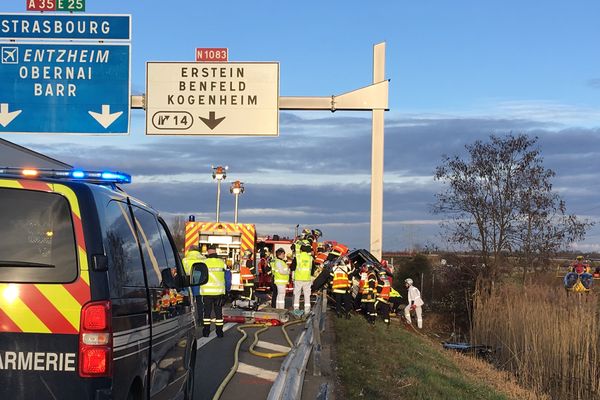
[80,175]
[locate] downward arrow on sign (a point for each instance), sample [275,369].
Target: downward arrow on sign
[211,121]
[106,118]
[7,117]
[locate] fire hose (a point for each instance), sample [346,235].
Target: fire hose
[264,327]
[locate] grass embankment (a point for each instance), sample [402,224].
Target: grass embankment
[393,363]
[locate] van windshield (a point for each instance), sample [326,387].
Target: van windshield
[37,241]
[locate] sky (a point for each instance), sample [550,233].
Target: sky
[459,72]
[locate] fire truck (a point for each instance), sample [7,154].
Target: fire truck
[231,240]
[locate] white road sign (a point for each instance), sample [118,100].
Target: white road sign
[190,98]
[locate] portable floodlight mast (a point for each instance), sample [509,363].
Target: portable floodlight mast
[219,173]
[236,189]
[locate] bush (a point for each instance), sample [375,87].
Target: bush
[412,268]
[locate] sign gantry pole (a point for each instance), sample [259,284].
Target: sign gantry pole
[377,153]
[372,98]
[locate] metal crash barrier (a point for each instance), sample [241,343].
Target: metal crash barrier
[288,385]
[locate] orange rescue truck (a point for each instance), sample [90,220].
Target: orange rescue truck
[232,240]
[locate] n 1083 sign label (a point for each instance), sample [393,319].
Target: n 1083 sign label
[212,54]
[55,5]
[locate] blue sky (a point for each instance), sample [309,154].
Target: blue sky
[459,71]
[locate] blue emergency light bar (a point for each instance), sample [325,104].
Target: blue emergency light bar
[73,174]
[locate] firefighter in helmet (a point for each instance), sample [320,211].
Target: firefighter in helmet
[340,285]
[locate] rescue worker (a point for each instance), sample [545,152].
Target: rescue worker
[367,294]
[382,303]
[340,285]
[281,277]
[414,303]
[247,277]
[302,266]
[315,235]
[362,279]
[213,293]
[336,251]
[192,257]
[579,266]
[395,301]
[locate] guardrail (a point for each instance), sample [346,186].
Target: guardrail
[288,385]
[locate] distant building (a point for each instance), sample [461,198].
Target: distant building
[13,155]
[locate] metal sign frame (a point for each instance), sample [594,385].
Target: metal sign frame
[372,98]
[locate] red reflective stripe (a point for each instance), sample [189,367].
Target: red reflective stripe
[6,324]
[35,185]
[79,290]
[45,310]
[78,231]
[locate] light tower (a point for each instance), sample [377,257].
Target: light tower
[219,173]
[236,189]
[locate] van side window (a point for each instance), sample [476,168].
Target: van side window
[152,247]
[171,263]
[121,246]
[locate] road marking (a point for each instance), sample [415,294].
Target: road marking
[257,372]
[204,340]
[272,346]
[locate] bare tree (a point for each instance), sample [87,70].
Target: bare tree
[500,202]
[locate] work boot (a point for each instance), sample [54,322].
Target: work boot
[219,332]
[206,331]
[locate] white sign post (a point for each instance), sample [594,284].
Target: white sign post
[187,98]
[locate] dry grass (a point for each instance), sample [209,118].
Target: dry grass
[549,340]
[502,381]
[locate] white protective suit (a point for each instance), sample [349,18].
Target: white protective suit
[414,298]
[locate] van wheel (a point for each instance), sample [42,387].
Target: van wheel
[189,384]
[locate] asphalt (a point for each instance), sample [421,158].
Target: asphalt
[255,374]
[319,377]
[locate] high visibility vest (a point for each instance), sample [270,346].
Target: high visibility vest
[246,274]
[279,277]
[368,291]
[384,290]
[320,258]
[216,278]
[363,283]
[394,293]
[340,283]
[303,266]
[339,249]
[192,257]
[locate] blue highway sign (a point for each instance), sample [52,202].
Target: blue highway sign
[64,88]
[65,27]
